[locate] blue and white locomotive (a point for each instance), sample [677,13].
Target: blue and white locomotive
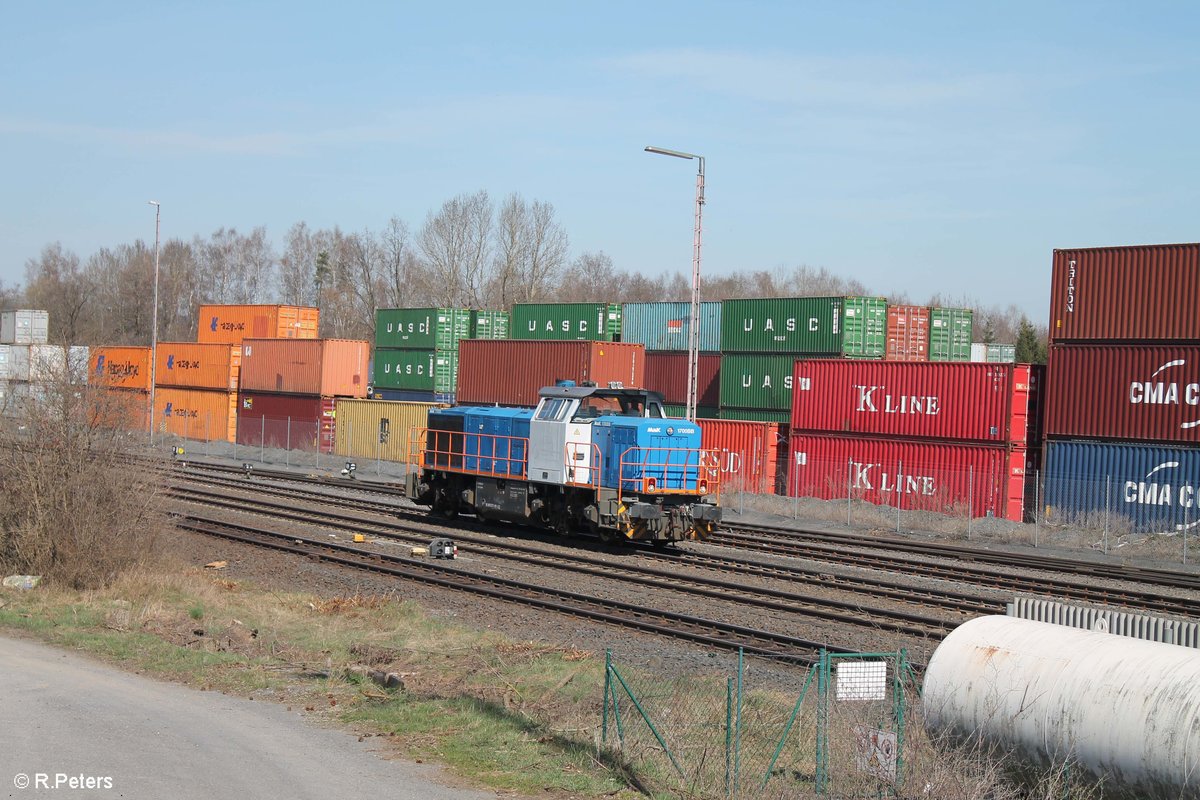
[604,460]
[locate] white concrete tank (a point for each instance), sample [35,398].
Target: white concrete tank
[1125,709]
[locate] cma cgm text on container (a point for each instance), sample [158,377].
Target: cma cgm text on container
[1130,391]
[1119,293]
[968,402]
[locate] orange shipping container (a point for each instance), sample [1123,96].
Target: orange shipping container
[907,333]
[188,365]
[327,367]
[202,414]
[119,409]
[232,324]
[120,368]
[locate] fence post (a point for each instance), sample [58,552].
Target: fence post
[262,441]
[1185,532]
[287,450]
[822,721]
[1107,503]
[729,737]
[737,739]
[1037,505]
[207,430]
[849,469]
[970,498]
[899,494]
[607,689]
[901,701]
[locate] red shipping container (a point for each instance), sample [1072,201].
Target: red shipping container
[510,372]
[667,373]
[1138,392]
[748,451]
[329,367]
[907,333]
[944,400]
[943,477]
[286,421]
[1115,293]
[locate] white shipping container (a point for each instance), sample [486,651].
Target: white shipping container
[6,365]
[24,326]
[978,353]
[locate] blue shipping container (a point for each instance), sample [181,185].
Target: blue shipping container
[665,326]
[1156,489]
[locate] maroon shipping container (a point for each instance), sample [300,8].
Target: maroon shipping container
[1137,392]
[286,421]
[944,400]
[1116,293]
[907,333]
[667,373]
[510,372]
[944,477]
[749,452]
[326,367]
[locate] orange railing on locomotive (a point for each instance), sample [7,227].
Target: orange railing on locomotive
[447,450]
[704,463]
[573,453]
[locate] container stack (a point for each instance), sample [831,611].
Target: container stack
[195,389]
[597,322]
[664,329]
[1123,413]
[416,352]
[28,364]
[123,375]
[943,437]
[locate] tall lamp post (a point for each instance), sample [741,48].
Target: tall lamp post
[694,325]
[154,324]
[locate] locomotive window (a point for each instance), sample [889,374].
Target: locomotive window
[554,409]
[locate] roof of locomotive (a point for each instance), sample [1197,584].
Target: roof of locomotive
[599,391]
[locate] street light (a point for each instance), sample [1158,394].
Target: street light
[154,324]
[694,326]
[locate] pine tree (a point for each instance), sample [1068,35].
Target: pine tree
[1030,347]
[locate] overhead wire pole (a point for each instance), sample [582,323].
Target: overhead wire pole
[154,324]
[694,319]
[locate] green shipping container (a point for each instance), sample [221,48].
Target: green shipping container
[753,380]
[1001,353]
[680,412]
[416,370]
[950,334]
[489,324]
[782,325]
[864,327]
[756,415]
[421,328]
[571,321]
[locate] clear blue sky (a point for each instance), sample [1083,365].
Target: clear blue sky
[916,147]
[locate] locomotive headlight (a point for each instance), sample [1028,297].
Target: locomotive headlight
[703,486]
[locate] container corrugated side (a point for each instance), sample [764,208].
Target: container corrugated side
[969,402]
[950,331]
[416,370]
[230,324]
[755,415]
[943,477]
[286,421]
[1146,488]
[119,409]
[1120,293]
[679,411]
[748,453]
[120,367]
[667,326]
[782,325]
[24,326]
[204,415]
[1138,392]
[564,321]
[329,367]
[192,365]
[421,328]
[908,333]
[487,324]
[667,373]
[756,380]
[864,326]
[378,429]
[512,372]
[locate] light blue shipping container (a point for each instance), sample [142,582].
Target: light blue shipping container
[666,326]
[1145,488]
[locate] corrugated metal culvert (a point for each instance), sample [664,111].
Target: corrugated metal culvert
[667,326]
[782,325]
[421,328]
[379,429]
[566,321]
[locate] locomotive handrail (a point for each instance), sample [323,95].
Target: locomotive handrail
[437,448]
[669,475]
[570,464]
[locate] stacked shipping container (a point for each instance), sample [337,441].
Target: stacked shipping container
[1123,414]
[600,322]
[196,387]
[510,373]
[416,349]
[28,365]
[228,324]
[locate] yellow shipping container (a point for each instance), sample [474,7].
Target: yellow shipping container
[378,428]
[200,414]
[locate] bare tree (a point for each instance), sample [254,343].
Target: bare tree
[55,282]
[590,279]
[455,244]
[531,252]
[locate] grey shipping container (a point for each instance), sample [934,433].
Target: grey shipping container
[421,328]
[24,326]
[566,321]
[666,327]
[782,325]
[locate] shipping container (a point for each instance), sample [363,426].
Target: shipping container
[511,373]
[569,321]
[120,367]
[192,365]
[749,453]
[679,411]
[1118,293]
[119,409]
[908,333]
[667,326]
[327,367]
[782,325]
[756,380]
[377,429]
[206,415]
[982,353]
[421,328]
[755,415]
[966,402]
[416,370]
[489,324]
[864,327]
[943,477]
[1138,392]
[408,396]
[24,326]
[229,324]
[286,421]
[667,374]
[1144,488]
[950,331]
